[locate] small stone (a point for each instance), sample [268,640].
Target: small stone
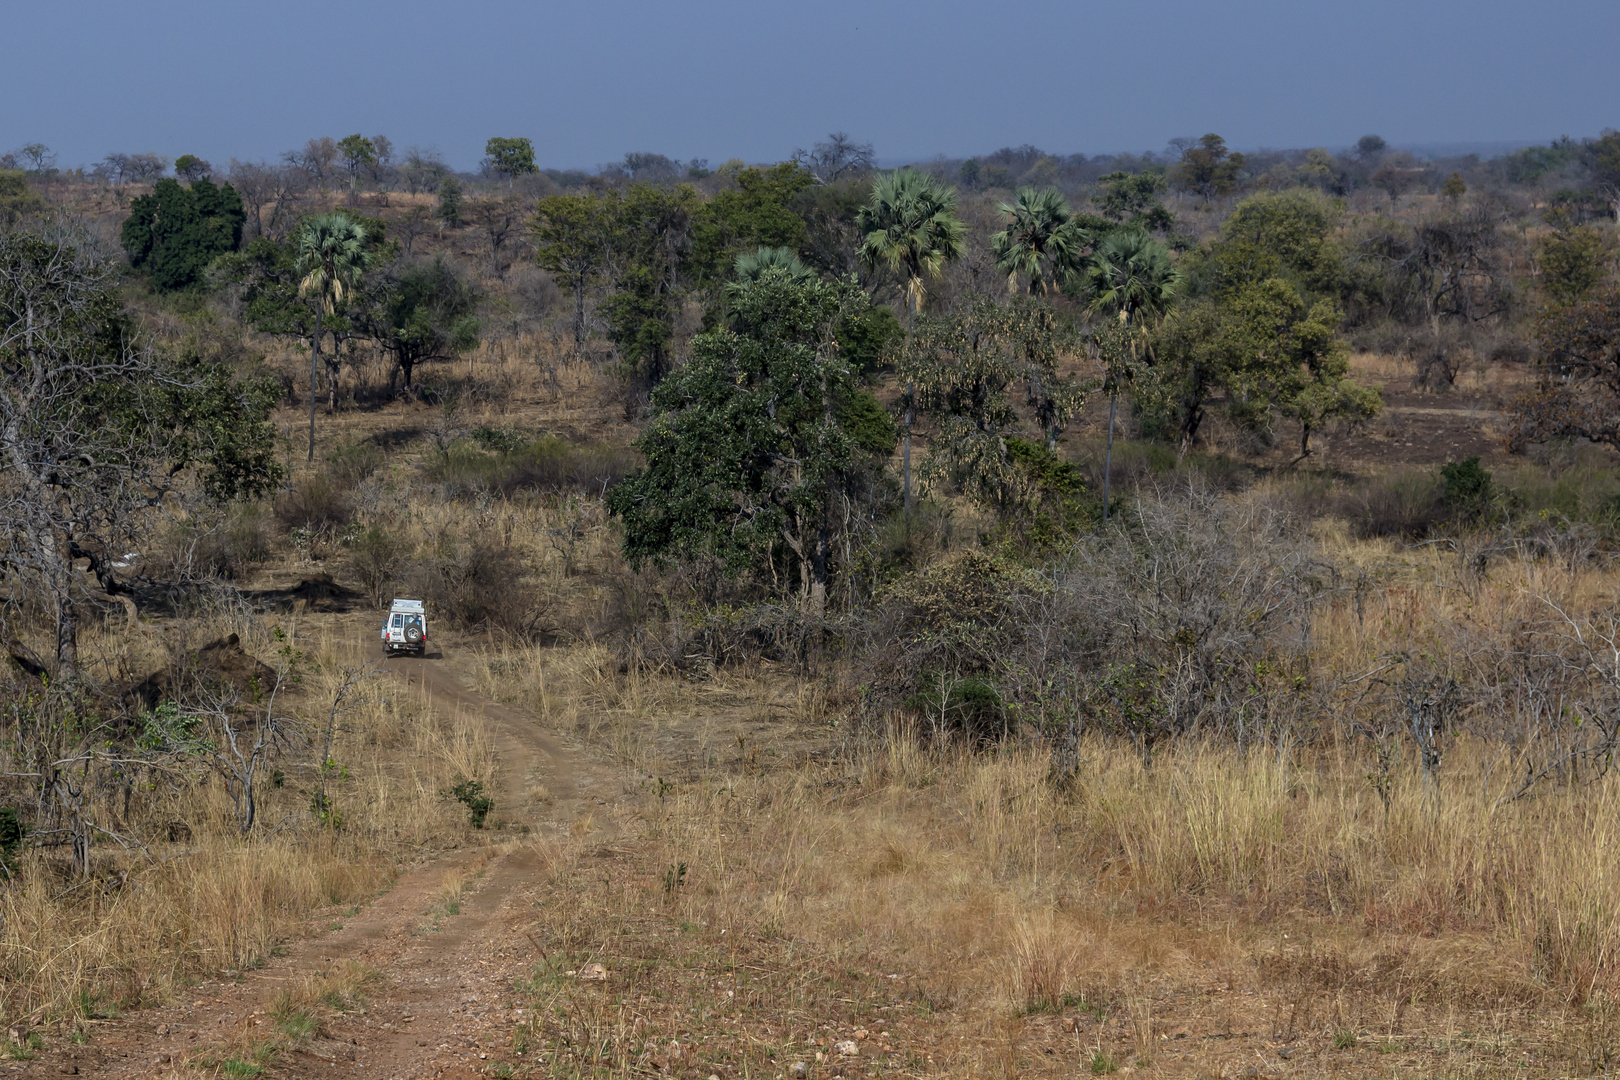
[798,1070]
[847,1048]
[862,1035]
[820,1057]
[1286,1052]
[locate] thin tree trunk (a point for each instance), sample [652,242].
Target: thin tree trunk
[911,388]
[314,375]
[1108,455]
[905,448]
[579,316]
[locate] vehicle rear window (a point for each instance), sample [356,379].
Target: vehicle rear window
[399,620]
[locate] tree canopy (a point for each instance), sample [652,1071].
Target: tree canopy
[751,456]
[97,426]
[173,234]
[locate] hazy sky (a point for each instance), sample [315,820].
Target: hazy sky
[588,81]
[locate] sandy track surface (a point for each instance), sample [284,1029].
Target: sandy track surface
[440,949]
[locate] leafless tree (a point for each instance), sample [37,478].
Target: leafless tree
[838,156]
[497,219]
[413,223]
[422,170]
[383,172]
[318,157]
[145,168]
[259,185]
[242,736]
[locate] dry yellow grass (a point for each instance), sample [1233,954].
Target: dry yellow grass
[203,898]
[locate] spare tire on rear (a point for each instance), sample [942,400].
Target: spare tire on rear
[413,634]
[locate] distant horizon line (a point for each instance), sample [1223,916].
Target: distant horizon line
[1487,149]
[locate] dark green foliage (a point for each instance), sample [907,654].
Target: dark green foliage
[868,423]
[1054,505]
[470,793]
[421,312]
[510,157]
[12,831]
[220,422]
[1530,164]
[450,202]
[745,452]
[173,234]
[758,212]
[870,338]
[1468,485]
[1133,200]
[641,322]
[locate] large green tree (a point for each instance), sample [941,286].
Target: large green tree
[1207,168]
[1261,352]
[421,312]
[572,233]
[756,441]
[98,427]
[173,234]
[649,244]
[510,157]
[760,210]
[910,226]
[964,368]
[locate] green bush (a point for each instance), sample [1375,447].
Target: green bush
[1467,485]
[470,793]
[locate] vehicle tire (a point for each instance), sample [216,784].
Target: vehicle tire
[413,634]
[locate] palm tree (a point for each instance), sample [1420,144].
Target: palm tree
[331,255]
[1130,276]
[1039,231]
[910,225]
[751,264]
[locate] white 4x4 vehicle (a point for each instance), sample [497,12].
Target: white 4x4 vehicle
[406,628]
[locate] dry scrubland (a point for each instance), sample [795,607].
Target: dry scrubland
[1405,865]
[1028,907]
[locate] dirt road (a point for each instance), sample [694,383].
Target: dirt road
[433,959]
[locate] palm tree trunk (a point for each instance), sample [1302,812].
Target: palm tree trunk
[314,359]
[1108,455]
[911,388]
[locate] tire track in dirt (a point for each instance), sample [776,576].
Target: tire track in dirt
[448,938]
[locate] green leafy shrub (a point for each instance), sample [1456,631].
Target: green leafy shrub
[470,793]
[1467,485]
